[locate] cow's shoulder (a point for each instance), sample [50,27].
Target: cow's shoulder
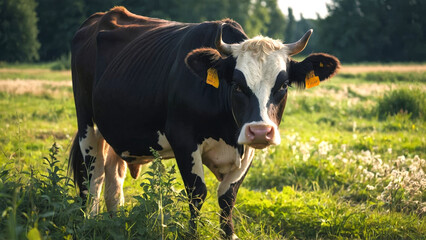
[120,17]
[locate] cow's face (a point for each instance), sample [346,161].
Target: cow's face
[260,76]
[259,94]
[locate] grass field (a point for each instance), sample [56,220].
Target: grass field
[351,165]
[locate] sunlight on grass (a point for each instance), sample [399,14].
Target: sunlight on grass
[341,171]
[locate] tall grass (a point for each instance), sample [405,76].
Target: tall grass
[380,77]
[41,205]
[404,101]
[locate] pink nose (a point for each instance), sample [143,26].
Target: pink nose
[259,135]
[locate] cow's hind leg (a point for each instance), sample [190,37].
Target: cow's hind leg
[91,146]
[115,173]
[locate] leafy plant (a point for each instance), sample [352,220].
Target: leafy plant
[402,101]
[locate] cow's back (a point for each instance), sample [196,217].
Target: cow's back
[121,26]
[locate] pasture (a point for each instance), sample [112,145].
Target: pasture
[347,166]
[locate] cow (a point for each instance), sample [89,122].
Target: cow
[202,93]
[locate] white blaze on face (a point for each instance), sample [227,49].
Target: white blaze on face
[261,59]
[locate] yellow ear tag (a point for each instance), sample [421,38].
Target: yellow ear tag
[212,77]
[311,80]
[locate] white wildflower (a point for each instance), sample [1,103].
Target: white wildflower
[324,148]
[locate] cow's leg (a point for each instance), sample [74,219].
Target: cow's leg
[227,193]
[191,169]
[115,173]
[91,145]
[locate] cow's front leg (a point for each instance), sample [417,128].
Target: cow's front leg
[227,193]
[191,169]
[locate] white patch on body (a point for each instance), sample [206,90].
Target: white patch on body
[89,144]
[261,59]
[218,156]
[197,163]
[236,175]
[167,151]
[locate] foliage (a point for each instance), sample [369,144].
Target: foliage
[93,6]
[18,30]
[256,17]
[63,63]
[45,208]
[43,203]
[404,101]
[371,30]
[161,206]
[354,30]
[58,22]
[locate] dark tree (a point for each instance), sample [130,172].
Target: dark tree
[291,26]
[373,30]
[94,6]
[58,21]
[18,30]
[277,25]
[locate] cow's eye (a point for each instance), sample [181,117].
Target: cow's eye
[238,88]
[284,86]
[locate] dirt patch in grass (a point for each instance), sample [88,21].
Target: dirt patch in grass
[43,135]
[354,69]
[36,87]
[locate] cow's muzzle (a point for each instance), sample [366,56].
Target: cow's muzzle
[259,135]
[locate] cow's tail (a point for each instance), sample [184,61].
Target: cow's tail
[76,167]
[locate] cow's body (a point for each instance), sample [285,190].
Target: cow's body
[131,81]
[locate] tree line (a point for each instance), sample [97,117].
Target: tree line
[354,30]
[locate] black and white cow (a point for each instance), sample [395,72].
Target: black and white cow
[203,93]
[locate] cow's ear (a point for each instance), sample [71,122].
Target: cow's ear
[200,60]
[316,66]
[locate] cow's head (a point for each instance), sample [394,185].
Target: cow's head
[260,71]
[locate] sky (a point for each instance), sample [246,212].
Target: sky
[308,8]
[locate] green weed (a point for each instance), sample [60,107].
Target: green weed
[402,101]
[63,63]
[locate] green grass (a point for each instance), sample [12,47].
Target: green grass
[413,77]
[39,74]
[341,172]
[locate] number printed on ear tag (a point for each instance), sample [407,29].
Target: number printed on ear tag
[311,80]
[212,78]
